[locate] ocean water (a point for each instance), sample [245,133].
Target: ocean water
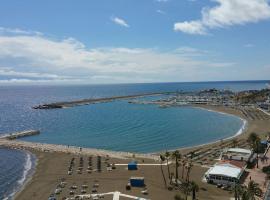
[118,125]
[16,166]
[121,126]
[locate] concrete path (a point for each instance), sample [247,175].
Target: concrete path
[146,164]
[116,196]
[265,112]
[257,175]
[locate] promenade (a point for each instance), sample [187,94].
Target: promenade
[42,147]
[257,175]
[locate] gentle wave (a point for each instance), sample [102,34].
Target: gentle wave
[240,131]
[28,166]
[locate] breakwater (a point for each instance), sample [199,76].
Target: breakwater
[67,104]
[16,135]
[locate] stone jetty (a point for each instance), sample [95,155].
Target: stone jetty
[16,135]
[67,104]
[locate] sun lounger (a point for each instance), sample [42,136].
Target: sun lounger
[57,191]
[74,187]
[83,191]
[71,192]
[84,186]
[145,192]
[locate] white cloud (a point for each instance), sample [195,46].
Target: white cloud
[4,30]
[11,73]
[39,81]
[31,58]
[189,51]
[120,22]
[226,13]
[192,27]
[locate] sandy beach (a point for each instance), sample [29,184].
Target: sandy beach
[53,161]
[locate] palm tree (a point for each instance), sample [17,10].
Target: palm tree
[176,155]
[245,195]
[189,166]
[253,189]
[162,159]
[234,143]
[167,156]
[186,189]
[254,140]
[194,189]
[192,154]
[178,197]
[183,167]
[239,191]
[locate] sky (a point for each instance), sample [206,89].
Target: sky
[133,41]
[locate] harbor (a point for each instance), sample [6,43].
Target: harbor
[67,104]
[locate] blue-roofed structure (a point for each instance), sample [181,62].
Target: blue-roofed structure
[137,181]
[132,166]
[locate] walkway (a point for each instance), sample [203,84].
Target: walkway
[116,196]
[265,112]
[257,175]
[146,164]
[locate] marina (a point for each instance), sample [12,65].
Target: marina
[67,104]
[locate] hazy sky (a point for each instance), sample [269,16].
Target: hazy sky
[127,41]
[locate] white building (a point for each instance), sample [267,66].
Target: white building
[224,173]
[237,154]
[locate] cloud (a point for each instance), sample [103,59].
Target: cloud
[10,73]
[189,51]
[4,30]
[161,12]
[226,13]
[249,45]
[192,27]
[120,22]
[36,58]
[162,1]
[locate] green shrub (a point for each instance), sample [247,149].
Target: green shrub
[266,169]
[178,197]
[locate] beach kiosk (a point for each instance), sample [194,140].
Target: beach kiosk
[137,181]
[132,166]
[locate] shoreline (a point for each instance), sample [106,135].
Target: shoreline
[22,145]
[241,131]
[25,145]
[30,173]
[29,166]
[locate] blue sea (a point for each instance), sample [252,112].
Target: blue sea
[15,168]
[117,125]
